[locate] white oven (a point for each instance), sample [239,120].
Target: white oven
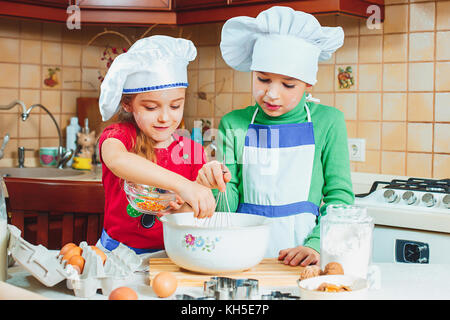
[412,219]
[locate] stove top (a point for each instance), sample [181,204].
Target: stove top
[414,193]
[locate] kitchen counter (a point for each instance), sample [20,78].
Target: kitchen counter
[398,282]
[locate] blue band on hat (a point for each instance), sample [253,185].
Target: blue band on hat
[163,86]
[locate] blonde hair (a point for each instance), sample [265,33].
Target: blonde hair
[143,146]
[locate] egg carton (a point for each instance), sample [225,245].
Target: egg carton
[49,268]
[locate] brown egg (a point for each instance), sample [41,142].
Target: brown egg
[100,253]
[66,248]
[333,268]
[74,251]
[164,284]
[123,293]
[310,272]
[77,261]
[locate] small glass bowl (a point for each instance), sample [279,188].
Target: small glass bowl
[148,199]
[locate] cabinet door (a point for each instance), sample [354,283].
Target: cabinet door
[197,4]
[126,4]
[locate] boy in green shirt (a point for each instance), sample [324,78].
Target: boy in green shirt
[286,157]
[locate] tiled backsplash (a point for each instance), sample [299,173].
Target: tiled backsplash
[399,100]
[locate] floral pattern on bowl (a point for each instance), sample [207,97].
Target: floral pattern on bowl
[193,243]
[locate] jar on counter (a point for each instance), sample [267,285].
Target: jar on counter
[346,236]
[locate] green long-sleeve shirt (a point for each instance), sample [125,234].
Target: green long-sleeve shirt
[331,180]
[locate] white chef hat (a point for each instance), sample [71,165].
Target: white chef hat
[279,40]
[152,63]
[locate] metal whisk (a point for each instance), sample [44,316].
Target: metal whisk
[218,219]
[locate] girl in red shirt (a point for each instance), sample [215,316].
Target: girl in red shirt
[146,86]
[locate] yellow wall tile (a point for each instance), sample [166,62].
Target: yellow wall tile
[47,127]
[420,106]
[51,99]
[421,46]
[71,78]
[348,53]
[349,24]
[442,137]
[89,79]
[442,107]
[52,31]
[91,57]
[9,50]
[369,77]
[8,124]
[325,79]
[30,29]
[443,15]
[49,142]
[206,80]
[69,101]
[369,106]
[396,19]
[393,136]
[351,129]
[224,104]
[30,76]
[422,16]
[30,97]
[10,153]
[372,163]
[443,45]
[371,131]
[71,54]
[386,2]
[393,163]
[242,100]
[12,80]
[7,96]
[325,98]
[209,36]
[30,51]
[394,76]
[418,165]
[207,57]
[367,27]
[395,47]
[193,81]
[205,108]
[370,49]
[347,103]
[242,81]
[421,76]
[441,166]
[190,105]
[394,106]
[442,76]
[224,80]
[51,53]
[220,63]
[420,137]
[9,27]
[30,127]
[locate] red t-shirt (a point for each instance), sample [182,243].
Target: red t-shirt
[183,156]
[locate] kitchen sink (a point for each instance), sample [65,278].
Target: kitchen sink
[40,172]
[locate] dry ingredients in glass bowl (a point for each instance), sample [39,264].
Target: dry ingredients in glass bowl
[148,199]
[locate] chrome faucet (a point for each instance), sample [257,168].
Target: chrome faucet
[61,158]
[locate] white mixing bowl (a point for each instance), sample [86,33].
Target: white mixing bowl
[237,245]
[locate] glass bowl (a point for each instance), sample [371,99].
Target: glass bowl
[148,199]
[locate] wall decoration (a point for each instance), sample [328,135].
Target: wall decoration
[51,79]
[345,77]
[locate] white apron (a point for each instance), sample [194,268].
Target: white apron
[276,172]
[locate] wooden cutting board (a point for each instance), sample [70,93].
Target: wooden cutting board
[270,272]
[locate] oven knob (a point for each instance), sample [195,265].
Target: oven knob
[446,201]
[428,199]
[409,197]
[390,196]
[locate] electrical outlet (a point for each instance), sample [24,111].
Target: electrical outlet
[357,149]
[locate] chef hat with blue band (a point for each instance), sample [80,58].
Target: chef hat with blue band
[151,64]
[279,40]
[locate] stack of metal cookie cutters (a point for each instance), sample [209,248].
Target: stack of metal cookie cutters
[224,288]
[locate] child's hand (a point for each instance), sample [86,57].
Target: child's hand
[214,175]
[199,197]
[176,205]
[294,256]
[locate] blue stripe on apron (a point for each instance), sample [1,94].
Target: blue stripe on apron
[272,211]
[279,136]
[110,244]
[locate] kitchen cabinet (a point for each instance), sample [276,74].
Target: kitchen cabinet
[174,12]
[54,212]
